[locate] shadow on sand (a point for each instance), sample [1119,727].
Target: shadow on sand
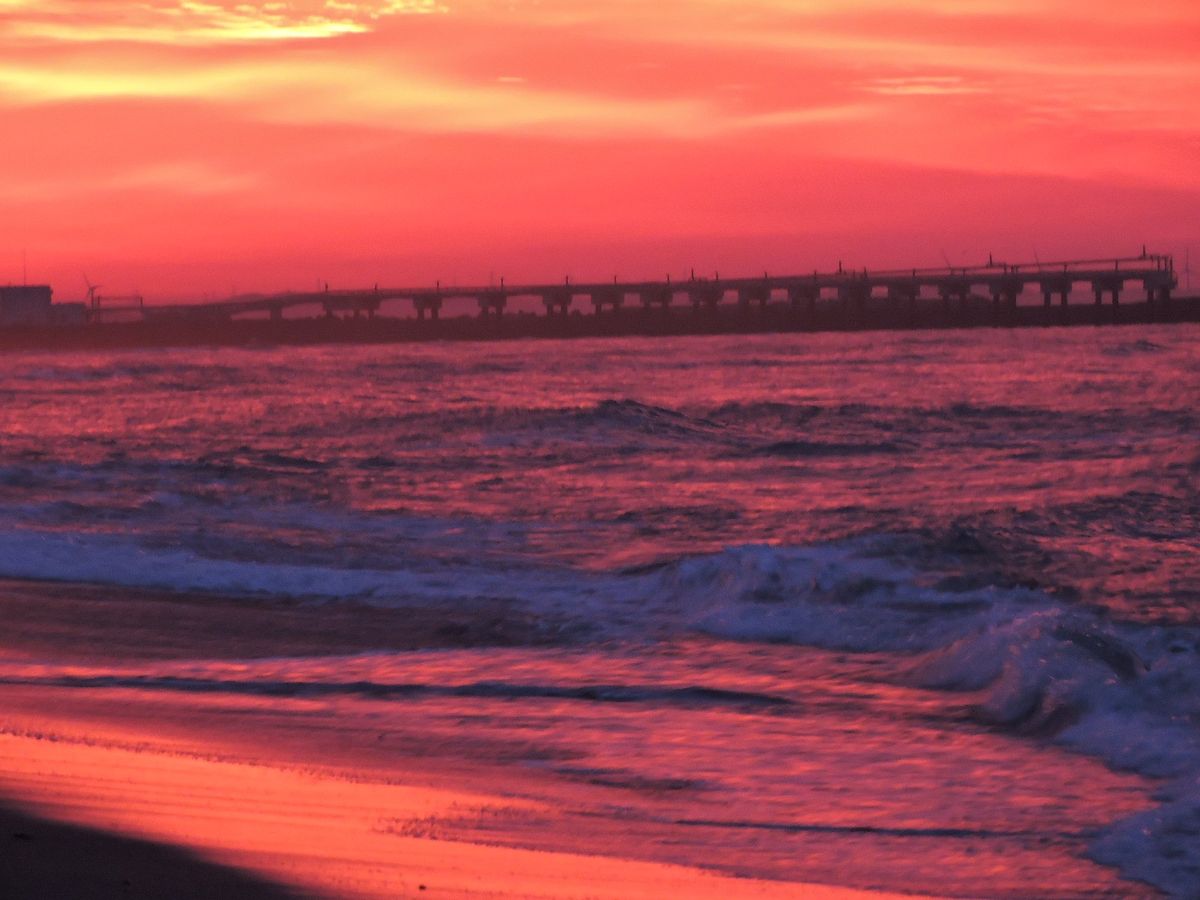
[40,860]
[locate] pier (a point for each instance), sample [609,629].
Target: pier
[1001,284]
[1076,292]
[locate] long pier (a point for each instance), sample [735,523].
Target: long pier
[853,290]
[1131,290]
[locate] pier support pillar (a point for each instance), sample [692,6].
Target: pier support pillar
[1049,293]
[614,298]
[903,295]
[804,296]
[949,292]
[1061,285]
[754,294]
[854,296]
[1113,285]
[557,303]
[1005,291]
[659,296]
[705,297]
[492,304]
[427,304]
[1003,298]
[1108,287]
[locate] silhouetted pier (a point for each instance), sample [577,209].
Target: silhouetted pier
[1001,284]
[1078,292]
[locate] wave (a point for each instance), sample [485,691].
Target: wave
[124,561]
[573,424]
[802,449]
[1133,348]
[1021,658]
[1128,695]
[1027,661]
[687,696]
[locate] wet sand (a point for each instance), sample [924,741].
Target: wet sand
[319,834]
[45,619]
[161,795]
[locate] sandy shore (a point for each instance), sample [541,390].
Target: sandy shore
[320,834]
[122,794]
[44,860]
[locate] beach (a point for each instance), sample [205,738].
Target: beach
[850,615]
[170,800]
[537,449]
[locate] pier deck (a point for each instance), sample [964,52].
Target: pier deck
[1002,284]
[1005,296]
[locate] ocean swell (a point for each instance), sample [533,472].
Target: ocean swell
[1016,658]
[1024,661]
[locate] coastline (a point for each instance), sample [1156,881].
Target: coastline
[184,825]
[121,796]
[46,860]
[309,792]
[925,315]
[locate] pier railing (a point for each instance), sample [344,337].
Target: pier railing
[1001,282]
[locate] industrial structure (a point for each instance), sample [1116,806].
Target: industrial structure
[993,294]
[1000,283]
[25,304]
[30,305]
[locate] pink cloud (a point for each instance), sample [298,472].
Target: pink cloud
[360,136]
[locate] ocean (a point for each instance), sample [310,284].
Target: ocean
[916,611]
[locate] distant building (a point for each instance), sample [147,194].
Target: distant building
[69,314]
[25,304]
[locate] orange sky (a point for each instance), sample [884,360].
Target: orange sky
[183,148]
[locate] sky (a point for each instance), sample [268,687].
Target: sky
[186,149]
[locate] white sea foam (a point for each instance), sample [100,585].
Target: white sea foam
[123,561]
[1128,694]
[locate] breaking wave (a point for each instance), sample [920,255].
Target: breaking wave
[1016,657]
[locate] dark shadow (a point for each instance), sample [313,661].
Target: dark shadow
[42,860]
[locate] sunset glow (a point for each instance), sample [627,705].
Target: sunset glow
[185,148]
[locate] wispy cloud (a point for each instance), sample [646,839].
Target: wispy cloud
[378,95]
[923,86]
[182,177]
[672,116]
[195,22]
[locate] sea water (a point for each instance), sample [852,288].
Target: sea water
[828,607]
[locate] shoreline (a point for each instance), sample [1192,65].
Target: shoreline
[125,792]
[125,816]
[319,792]
[926,315]
[46,859]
